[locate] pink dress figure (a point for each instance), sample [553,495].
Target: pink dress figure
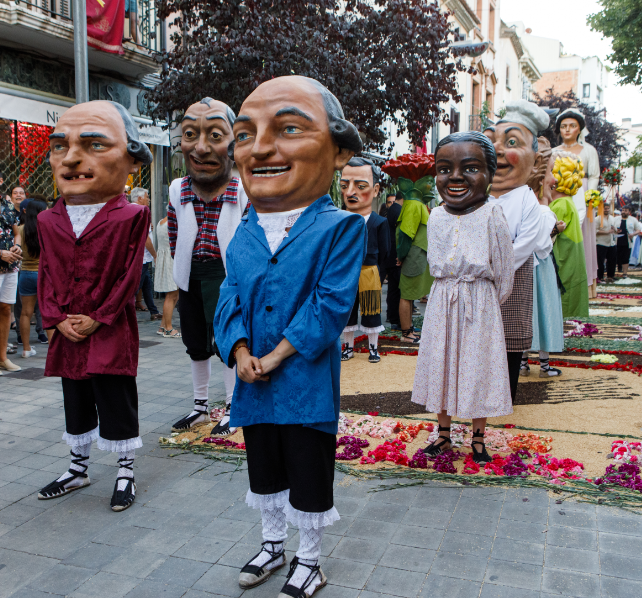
[462,358]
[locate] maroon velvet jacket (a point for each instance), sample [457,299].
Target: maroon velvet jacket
[96,275]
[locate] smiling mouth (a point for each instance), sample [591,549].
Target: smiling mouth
[457,190]
[75,176]
[270,171]
[203,163]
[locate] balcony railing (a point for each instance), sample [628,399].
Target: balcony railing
[142,27]
[474,122]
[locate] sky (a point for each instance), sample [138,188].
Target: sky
[566,20]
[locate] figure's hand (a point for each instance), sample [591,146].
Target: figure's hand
[561,225]
[83,325]
[248,367]
[399,262]
[270,362]
[6,255]
[16,249]
[67,330]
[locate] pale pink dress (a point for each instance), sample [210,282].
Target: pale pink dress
[462,365]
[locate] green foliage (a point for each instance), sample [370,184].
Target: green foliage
[385,60]
[621,20]
[485,114]
[635,159]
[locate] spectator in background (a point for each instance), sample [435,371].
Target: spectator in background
[18,195]
[164,280]
[605,235]
[141,197]
[10,256]
[390,199]
[392,269]
[628,226]
[3,193]
[28,281]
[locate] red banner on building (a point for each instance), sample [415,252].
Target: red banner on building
[105,25]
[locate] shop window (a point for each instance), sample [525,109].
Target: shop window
[637,174]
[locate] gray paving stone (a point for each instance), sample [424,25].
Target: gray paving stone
[585,561]
[135,562]
[615,587]
[437,586]
[93,556]
[470,523]
[396,582]
[399,496]
[18,514]
[620,544]
[334,591]
[31,593]
[567,518]
[350,506]
[362,551]
[62,579]
[466,544]
[518,552]
[494,591]
[179,571]
[207,550]
[571,537]
[525,511]
[36,461]
[350,574]
[122,535]
[571,583]
[239,555]
[407,558]
[164,542]
[480,508]
[514,574]
[220,580]
[384,512]
[462,566]
[437,499]
[437,519]
[104,584]
[619,524]
[418,537]
[151,589]
[518,530]
[368,529]
[20,569]
[618,565]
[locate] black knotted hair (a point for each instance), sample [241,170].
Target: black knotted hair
[473,137]
[376,171]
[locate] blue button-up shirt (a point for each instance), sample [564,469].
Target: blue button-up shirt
[305,293]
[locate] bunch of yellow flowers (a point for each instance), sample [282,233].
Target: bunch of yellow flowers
[593,197]
[569,173]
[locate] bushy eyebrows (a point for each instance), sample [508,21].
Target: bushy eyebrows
[242,118]
[93,135]
[57,136]
[294,111]
[188,117]
[510,129]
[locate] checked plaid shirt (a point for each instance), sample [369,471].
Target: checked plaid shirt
[206,246]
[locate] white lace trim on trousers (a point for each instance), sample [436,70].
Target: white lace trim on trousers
[374,330]
[80,439]
[300,519]
[351,328]
[120,446]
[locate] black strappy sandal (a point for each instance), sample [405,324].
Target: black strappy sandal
[223,429]
[186,423]
[253,575]
[57,489]
[292,591]
[436,448]
[405,334]
[123,499]
[346,352]
[482,456]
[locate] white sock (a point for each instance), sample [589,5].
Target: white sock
[348,337]
[308,554]
[126,460]
[543,354]
[79,453]
[229,379]
[373,340]
[275,531]
[201,372]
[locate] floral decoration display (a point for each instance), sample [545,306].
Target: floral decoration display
[612,176]
[419,460]
[460,435]
[225,443]
[368,426]
[415,175]
[408,432]
[392,451]
[445,462]
[581,329]
[556,469]
[353,448]
[602,358]
[594,199]
[217,413]
[531,442]
[626,475]
[623,451]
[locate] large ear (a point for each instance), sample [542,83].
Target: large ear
[342,157]
[377,188]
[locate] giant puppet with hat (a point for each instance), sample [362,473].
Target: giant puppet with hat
[570,125]
[515,141]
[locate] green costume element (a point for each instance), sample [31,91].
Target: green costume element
[423,189]
[412,247]
[569,255]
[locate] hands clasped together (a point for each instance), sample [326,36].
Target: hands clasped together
[251,369]
[77,328]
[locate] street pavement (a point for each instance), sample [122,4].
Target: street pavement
[189,531]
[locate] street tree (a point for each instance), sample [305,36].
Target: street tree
[387,61]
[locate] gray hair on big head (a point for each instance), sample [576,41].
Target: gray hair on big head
[135,147]
[137,192]
[229,113]
[528,114]
[376,171]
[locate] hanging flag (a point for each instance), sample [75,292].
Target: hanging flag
[105,25]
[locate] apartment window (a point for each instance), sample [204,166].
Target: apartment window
[586,90]
[454,121]
[598,94]
[637,174]
[508,77]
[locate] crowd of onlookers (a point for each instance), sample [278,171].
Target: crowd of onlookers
[618,238]
[19,260]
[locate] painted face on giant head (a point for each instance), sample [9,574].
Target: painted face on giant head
[283,145]
[462,175]
[515,156]
[206,134]
[569,130]
[89,153]
[358,188]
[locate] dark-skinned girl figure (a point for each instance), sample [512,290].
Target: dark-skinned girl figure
[91,256]
[359,186]
[516,146]
[462,367]
[292,276]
